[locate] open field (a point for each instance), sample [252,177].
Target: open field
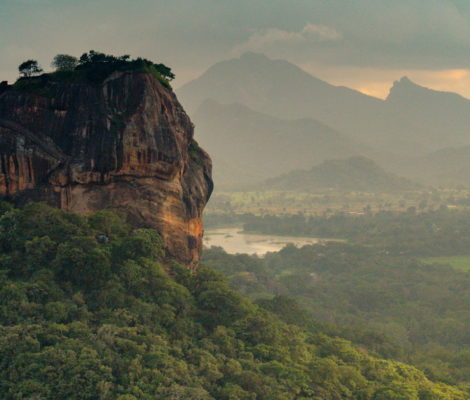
[278,202]
[460,263]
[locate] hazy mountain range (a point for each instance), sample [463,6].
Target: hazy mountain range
[448,166]
[268,117]
[248,146]
[353,173]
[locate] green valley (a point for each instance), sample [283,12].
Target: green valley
[91,308]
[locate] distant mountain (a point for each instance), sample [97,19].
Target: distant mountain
[412,121]
[248,146]
[448,166]
[253,80]
[354,173]
[278,88]
[431,118]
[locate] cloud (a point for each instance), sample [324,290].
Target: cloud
[190,35]
[368,33]
[321,32]
[277,38]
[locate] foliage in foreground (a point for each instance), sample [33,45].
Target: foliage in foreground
[88,310]
[397,307]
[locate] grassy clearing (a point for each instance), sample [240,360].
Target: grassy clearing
[460,263]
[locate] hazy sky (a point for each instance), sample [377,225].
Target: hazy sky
[364,44]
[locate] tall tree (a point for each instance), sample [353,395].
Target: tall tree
[64,62]
[29,68]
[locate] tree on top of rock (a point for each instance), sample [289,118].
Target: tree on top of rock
[64,62]
[29,68]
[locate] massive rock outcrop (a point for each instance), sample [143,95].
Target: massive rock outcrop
[125,144]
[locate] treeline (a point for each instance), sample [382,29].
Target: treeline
[432,233]
[93,67]
[91,308]
[396,307]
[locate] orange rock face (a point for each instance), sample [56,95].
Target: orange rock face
[126,144]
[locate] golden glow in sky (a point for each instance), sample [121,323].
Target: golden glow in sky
[378,82]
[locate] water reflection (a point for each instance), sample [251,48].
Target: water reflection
[234,240]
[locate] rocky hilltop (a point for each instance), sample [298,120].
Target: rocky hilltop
[125,144]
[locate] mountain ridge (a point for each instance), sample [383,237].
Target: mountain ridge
[412,121]
[354,173]
[249,146]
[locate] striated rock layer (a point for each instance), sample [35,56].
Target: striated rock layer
[126,144]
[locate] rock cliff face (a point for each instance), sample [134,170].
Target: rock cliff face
[125,144]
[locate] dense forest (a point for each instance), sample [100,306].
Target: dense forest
[439,232]
[93,309]
[396,306]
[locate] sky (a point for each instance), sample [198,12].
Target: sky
[363,44]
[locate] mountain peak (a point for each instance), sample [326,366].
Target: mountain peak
[271,86]
[253,56]
[405,83]
[405,88]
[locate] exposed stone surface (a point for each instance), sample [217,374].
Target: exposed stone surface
[126,144]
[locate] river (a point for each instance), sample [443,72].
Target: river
[234,240]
